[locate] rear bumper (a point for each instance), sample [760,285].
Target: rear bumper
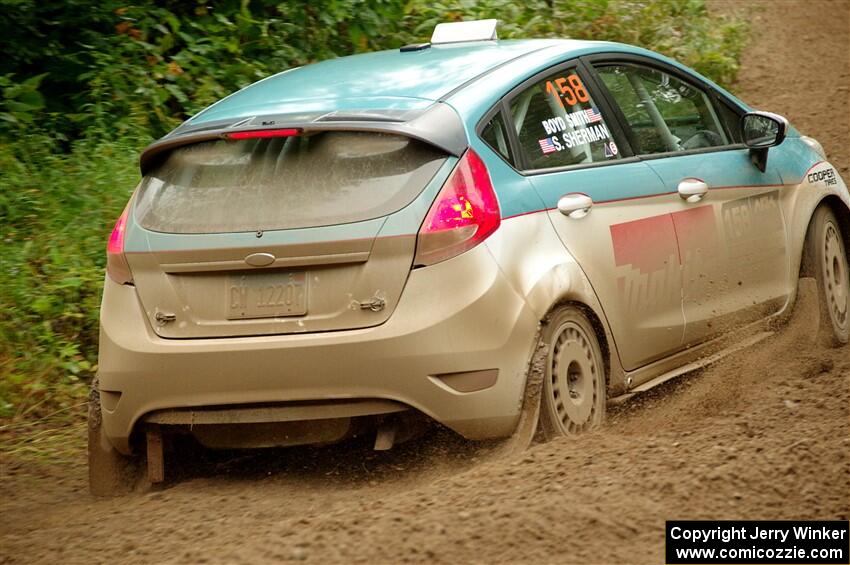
[459,315]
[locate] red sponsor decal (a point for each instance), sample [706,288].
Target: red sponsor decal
[645,244]
[648,243]
[696,232]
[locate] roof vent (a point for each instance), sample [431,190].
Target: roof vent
[457,32]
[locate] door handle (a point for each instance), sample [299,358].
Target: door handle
[575,205]
[693,190]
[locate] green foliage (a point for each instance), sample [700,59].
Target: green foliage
[21,101]
[681,29]
[85,85]
[122,67]
[55,210]
[151,65]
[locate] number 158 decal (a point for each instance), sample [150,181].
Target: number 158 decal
[570,90]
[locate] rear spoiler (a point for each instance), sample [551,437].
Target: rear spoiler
[438,125]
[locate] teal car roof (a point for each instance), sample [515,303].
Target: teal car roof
[391,79]
[401,81]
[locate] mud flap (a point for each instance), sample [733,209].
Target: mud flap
[110,473]
[527,428]
[156,461]
[385,437]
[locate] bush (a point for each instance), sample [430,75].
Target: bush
[150,65]
[129,73]
[681,29]
[55,210]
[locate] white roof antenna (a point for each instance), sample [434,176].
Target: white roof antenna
[457,32]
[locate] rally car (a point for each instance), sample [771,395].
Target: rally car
[492,235]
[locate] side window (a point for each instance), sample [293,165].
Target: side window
[663,113]
[558,124]
[495,135]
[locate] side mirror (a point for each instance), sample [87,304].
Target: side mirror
[761,131]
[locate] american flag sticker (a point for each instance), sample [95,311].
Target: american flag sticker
[592,115]
[546,145]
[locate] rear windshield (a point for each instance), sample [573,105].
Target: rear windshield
[284,183]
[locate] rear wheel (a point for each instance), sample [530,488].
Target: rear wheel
[574,381]
[825,258]
[110,472]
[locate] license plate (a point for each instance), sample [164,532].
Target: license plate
[266,295]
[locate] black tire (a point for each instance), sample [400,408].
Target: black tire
[825,259]
[574,392]
[110,472]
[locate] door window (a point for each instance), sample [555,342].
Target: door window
[558,124]
[663,113]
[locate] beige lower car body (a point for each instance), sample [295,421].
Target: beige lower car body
[456,348]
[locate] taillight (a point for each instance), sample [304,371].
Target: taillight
[262,133]
[464,214]
[116,264]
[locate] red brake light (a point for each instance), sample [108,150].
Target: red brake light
[116,264]
[287,132]
[464,214]
[116,238]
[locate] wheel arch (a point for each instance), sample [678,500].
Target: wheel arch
[542,271]
[842,214]
[563,284]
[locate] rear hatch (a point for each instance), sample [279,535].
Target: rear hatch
[277,235]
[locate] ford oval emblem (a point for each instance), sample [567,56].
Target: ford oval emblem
[260,259]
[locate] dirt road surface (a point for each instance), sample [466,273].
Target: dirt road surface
[764,434]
